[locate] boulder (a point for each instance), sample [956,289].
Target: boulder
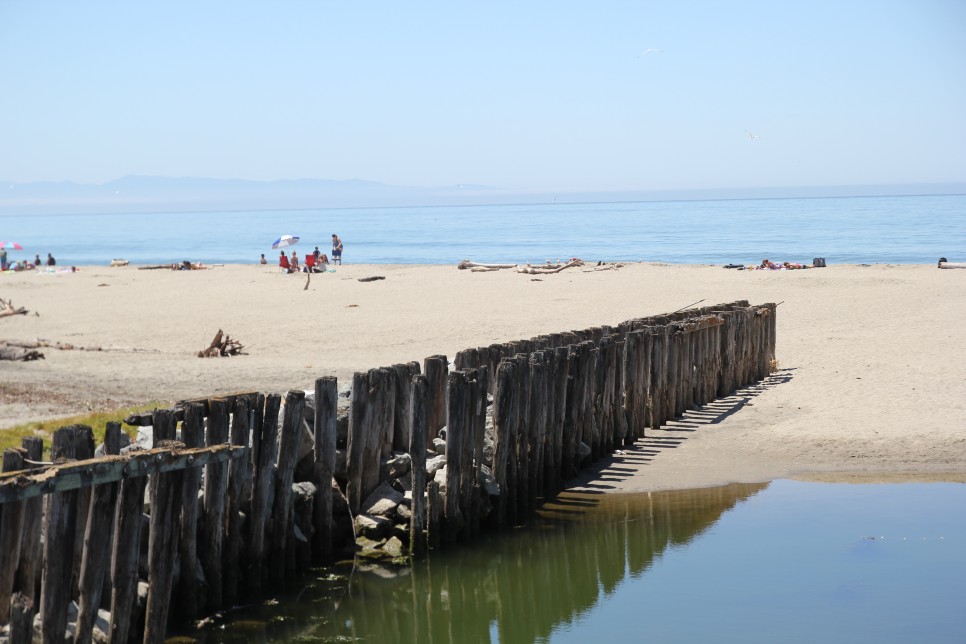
[399,465]
[403,513]
[125,441]
[393,548]
[383,501]
[433,465]
[439,446]
[371,527]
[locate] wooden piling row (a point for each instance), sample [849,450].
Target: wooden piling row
[221,497]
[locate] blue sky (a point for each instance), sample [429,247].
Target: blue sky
[536,96]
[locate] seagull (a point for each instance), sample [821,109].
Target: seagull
[752,136]
[650,51]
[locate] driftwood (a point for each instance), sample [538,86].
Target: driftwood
[222,345]
[371,279]
[529,269]
[7,308]
[549,268]
[8,352]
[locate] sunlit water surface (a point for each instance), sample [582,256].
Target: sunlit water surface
[781,562]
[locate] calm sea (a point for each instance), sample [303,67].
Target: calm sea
[909,230]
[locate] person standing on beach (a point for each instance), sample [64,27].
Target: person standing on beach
[336,249]
[3,259]
[316,254]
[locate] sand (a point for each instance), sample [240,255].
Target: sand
[871,380]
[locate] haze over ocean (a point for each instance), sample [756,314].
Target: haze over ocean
[904,229]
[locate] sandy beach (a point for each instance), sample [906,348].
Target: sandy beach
[871,378]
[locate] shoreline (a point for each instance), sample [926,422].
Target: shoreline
[867,381]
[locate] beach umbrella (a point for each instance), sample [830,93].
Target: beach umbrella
[285,240]
[9,245]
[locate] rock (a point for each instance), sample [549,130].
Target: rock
[403,513]
[439,446]
[442,432]
[440,478]
[102,627]
[370,527]
[393,547]
[399,464]
[488,452]
[404,484]
[488,481]
[583,450]
[383,501]
[433,465]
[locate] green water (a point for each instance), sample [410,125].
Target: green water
[781,562]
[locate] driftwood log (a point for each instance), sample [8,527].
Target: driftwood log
[222,345]
[7,308]
[529,269]
[8,352]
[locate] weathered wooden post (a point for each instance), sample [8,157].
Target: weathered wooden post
[124,559]
[264,491]
[190,583]
[417,450]
[97,542]
[238,472]
[28,570]
[165,495]
[457,428]
[355,450]
[216,489]
[11,533]
[60,522]
[402,413]
[436,368]
[282,517]
[326,411]
[21,619]
[504,428]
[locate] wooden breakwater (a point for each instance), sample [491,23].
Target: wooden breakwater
[418,457]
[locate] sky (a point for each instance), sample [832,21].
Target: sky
[533,96]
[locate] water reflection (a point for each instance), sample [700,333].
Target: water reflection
[517,586]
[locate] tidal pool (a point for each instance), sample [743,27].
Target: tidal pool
[786,561]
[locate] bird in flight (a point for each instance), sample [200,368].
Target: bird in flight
[650,51]
[752,136]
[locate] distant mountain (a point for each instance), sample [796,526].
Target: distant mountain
[166,194]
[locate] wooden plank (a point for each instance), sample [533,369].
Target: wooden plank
[73,475]
[97,545]
[189,599]
[326,411]
[434,514]
[165,491]
[11,534]
[417,450]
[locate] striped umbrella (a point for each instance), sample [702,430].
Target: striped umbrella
[10,245]
[285,240]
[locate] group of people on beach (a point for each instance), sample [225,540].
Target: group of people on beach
[315,262]
[24,265]
[770,265]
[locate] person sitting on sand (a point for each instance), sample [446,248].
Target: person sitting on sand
[263,260]
[322,262]
[294,263]
[50,260]
[767,263]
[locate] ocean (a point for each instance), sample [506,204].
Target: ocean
[849,230]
